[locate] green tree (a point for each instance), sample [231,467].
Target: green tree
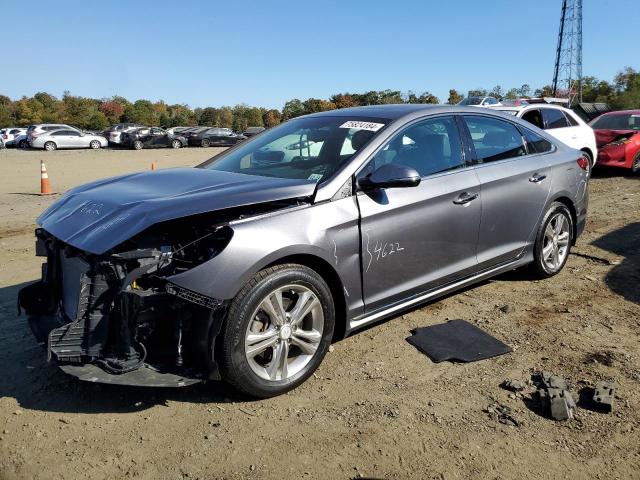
[478,92]
[293,108]
[271,118]
[454,97]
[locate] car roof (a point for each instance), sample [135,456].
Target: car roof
[394,111]
[531,105]
[622,112]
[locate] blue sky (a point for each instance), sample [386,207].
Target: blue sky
[265,52]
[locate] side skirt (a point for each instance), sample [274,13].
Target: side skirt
[360,322]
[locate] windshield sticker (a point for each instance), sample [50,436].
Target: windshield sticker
[315,176]
[372,127]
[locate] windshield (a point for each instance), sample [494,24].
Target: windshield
[471,101]
[304,148]
[627,121]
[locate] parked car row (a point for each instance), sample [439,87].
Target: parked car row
[53,136]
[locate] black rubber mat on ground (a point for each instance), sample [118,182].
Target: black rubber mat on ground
[456,340]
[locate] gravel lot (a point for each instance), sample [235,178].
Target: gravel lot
[376,407]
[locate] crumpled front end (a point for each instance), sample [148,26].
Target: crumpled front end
[114,318]
[618,149]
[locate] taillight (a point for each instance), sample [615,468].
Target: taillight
[583,163]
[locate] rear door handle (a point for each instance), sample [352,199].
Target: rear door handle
[537,178]
[465,197]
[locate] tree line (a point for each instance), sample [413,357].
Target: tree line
[97,114]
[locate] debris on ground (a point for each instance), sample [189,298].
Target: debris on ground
[507,308]
[603,396]
[514,385]
[503,414]
[555,398]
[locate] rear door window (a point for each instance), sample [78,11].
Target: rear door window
[554,118]
[494,139]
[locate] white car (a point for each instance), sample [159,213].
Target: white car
[560,122]
[9,135]
[479,102]
[34,131]
[114,133]
[67,138]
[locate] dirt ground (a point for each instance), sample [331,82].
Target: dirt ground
[376,408]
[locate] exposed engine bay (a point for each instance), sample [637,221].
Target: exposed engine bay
[118,312]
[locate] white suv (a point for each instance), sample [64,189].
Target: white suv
[560,122]
[9,134]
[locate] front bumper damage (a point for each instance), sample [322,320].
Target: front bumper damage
[116,319]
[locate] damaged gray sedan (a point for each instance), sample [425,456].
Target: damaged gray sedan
[247,266]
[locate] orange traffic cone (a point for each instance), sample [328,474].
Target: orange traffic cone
[45,186]
[153,165]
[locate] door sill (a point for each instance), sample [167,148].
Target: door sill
[438,292]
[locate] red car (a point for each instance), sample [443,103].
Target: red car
[618,139]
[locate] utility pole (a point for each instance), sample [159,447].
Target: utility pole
[567,75]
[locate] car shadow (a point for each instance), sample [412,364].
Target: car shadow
[624,278]
[38,385]
[612,172]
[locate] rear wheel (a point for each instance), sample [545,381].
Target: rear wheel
[277,331]
[205,142]
[176,144]
[553,241]
[22,144]
[137,145]
[95,144]
[50,146]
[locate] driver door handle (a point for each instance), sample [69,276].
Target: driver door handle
[537,178]
[465,197]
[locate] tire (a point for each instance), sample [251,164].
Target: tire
[138,145]
[205,142]
[635,164]
[95,144]
[553,246]
[590,164]
[249,326]
[22,144]
[176,144]
[50,146]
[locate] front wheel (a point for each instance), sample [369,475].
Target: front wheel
[95,144]
[553,241]
[137,145]
[635,165]
[22,144]
[176,144]
[589,160]
[205,142]
[277,331]
[50,146]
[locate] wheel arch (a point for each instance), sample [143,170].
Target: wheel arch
[591,154]
[567,202]
[331,277]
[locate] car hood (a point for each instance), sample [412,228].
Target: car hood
[607,136]
[99,216]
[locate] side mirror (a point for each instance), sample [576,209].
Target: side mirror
[390,176]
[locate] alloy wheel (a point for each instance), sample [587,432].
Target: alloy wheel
[556,242]
[284,332]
